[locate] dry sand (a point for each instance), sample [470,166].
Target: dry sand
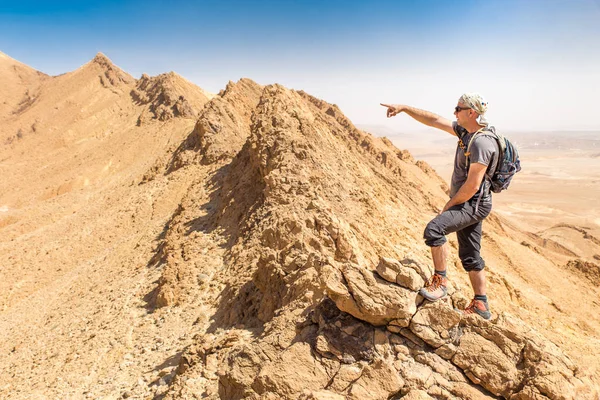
[160,242]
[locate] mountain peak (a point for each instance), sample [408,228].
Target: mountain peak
[168,95]
[110,74]
[101,59]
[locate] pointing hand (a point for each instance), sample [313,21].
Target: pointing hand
[392,109]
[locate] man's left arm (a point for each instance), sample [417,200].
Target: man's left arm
[470,187]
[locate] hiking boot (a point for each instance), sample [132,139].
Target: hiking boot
[435,288]
[480,308]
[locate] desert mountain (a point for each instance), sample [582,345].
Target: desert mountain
[168,95]
[19,85]
[161,242]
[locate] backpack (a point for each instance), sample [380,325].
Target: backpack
[508,161]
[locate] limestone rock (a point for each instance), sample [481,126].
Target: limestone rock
[378,381]
[486,364]
[320,395]
[343,337]
[417,395]
[347,374]
[364,295]
[388,269]
[436,323]
[507,358]
[416,375]
[292,372]
[394,271]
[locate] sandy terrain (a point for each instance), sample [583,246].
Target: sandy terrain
[161,242]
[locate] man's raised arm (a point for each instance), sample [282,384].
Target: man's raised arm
[424,117]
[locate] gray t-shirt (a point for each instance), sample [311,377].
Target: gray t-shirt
[484,151]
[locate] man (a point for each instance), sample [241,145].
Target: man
[470,196]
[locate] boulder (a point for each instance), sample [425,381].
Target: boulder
[394,271]
[364,295]
[379,380]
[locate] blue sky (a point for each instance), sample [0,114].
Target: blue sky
[537,62]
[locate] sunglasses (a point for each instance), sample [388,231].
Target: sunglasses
[459,109]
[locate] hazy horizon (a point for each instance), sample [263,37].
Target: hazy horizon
[426,129]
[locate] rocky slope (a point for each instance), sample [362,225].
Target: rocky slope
[302,312]
[168,96]
[20,85]
[160,242]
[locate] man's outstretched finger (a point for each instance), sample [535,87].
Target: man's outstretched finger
[391,110]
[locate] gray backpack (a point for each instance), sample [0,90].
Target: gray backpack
[508,161]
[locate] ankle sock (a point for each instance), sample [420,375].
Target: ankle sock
[440,273]
[481,297]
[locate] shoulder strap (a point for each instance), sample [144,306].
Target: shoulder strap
[485,132]
[475,135]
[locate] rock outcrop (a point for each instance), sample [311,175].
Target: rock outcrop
[111,74]
[253,245]
[168,96]
[325,314]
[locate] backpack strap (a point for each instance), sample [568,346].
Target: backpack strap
[475,135]
[499,141]
[501,148]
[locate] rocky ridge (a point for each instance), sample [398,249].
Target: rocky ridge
[304,312]
[268,249]
[111,74]
[168,96]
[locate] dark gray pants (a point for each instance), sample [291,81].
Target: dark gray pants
[466,222]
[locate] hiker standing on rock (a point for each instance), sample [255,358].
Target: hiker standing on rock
[470,196]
